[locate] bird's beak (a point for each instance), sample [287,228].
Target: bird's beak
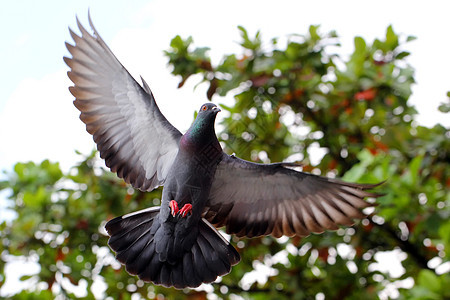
[216,109]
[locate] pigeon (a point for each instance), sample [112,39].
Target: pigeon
[178,243]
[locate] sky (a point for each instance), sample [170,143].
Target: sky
[38,120]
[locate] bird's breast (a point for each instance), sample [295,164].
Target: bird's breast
[190,179]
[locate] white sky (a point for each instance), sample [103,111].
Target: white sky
[38,120]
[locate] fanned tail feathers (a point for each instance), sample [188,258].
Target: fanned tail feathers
[132,237]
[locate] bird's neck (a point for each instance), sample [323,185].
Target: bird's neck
[201,137]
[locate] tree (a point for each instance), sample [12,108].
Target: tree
[292,101]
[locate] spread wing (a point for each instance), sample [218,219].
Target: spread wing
[259,199]
[131,133]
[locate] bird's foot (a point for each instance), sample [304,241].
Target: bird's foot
[187,208]
[173,207]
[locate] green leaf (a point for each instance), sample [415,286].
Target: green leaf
[402,55]
[247,41]
[179,45]
[200,53]
[444,232]
[358,57]
[411,38]
[355,173]
[366,157]
[35,199]
[391,38]
[360,46]
[445,107]
[25,277]
[412,175]
[313,32]
[429,280]
[19,168]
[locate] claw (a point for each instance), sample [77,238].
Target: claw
[173,207]
[187,208]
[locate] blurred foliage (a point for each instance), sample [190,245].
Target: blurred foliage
[292,100]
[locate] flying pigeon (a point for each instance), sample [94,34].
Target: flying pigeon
[177,244]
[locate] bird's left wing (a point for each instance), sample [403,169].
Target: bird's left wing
[131,133]
[259,199]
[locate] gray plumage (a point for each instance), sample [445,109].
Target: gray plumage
[142,147]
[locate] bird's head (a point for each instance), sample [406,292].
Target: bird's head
[208,110]
[202,129]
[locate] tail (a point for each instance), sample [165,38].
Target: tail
[132,237]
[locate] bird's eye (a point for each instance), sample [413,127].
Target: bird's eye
[204,107]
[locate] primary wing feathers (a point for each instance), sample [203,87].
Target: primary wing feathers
[253,199]
[131,133]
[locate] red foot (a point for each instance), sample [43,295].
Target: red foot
[173,207]
[187,208]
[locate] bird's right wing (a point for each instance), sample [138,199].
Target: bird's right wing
[131,133]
